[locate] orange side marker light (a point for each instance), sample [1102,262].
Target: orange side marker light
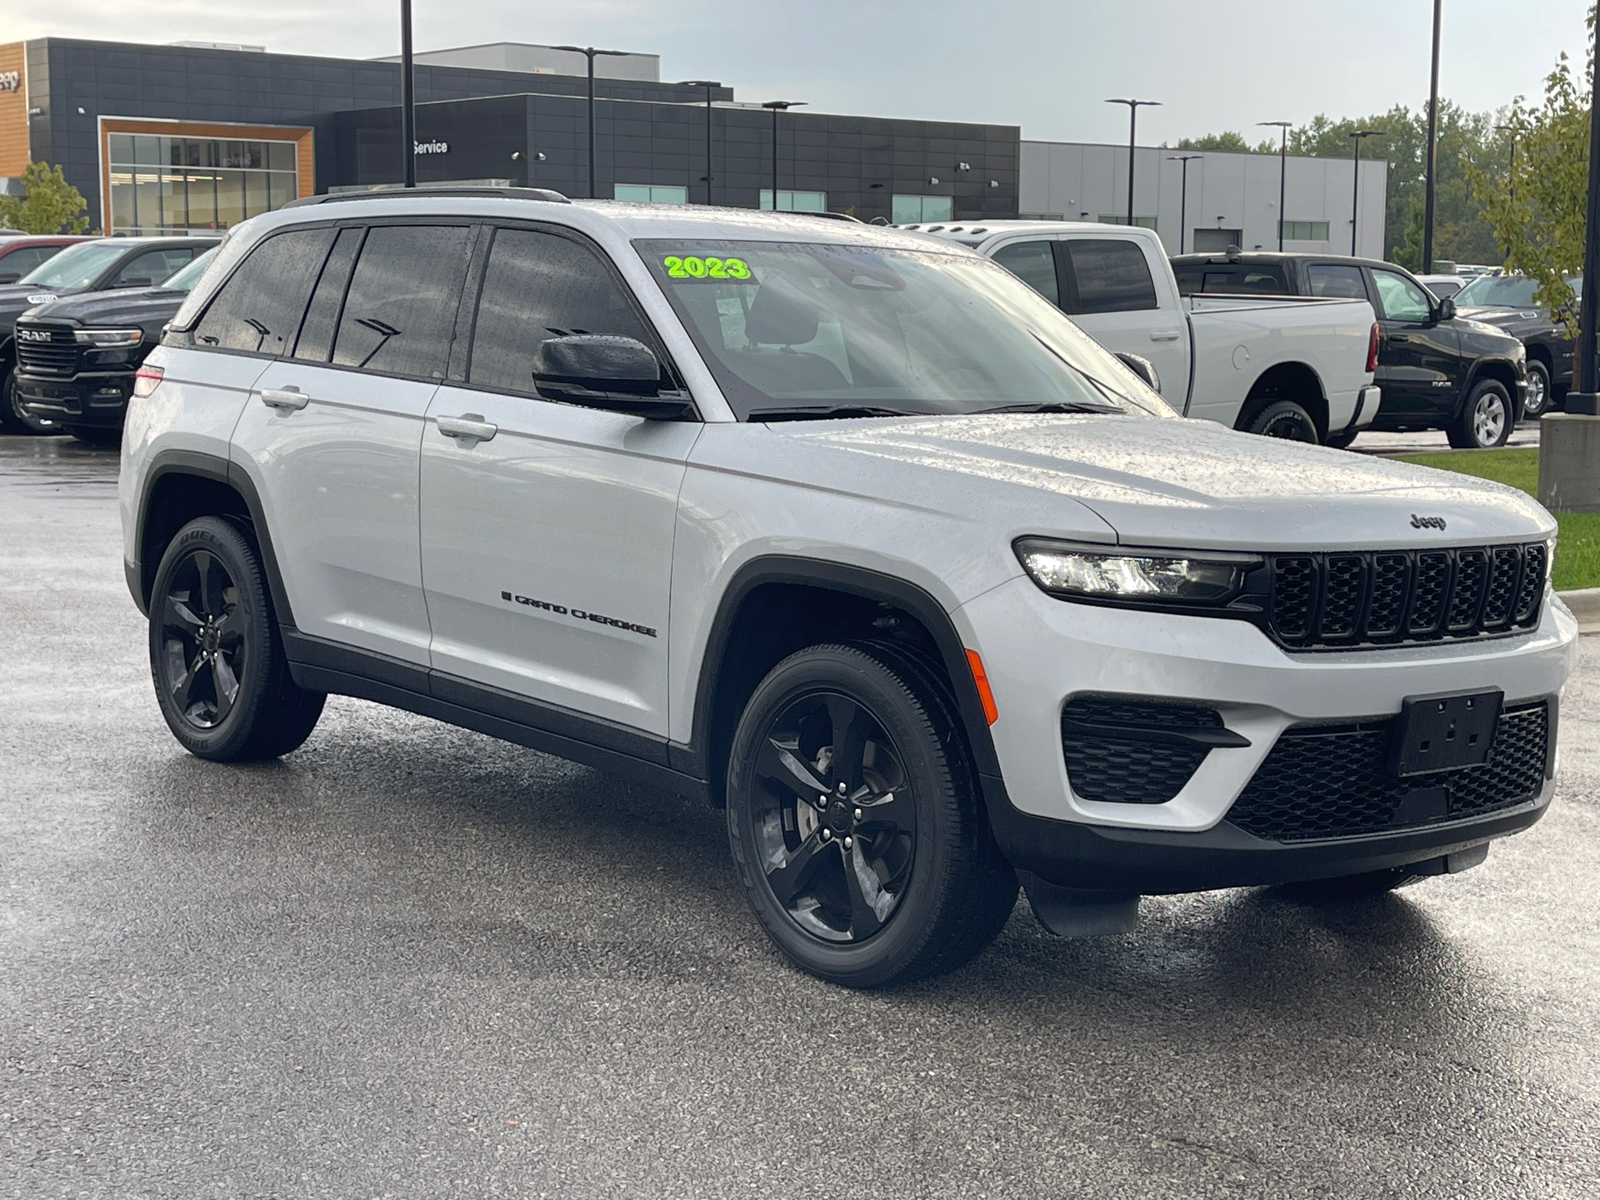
[980,679]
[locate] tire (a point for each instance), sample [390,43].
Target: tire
[1485,419]
[1540,395]
[216,657]
[940,890]
[12,418]
[1341,441]
[1285,419]
[96,435]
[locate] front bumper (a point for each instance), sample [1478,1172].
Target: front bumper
[1039,652]
[97,399]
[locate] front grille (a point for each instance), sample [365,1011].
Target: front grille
[1323,781]
[58,356]
[1326,601]
[1127,751]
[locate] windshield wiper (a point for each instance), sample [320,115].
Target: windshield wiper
[1052,406]
[825,413]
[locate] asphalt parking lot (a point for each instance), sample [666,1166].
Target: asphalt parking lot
[409,961]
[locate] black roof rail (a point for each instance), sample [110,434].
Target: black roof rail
[399,193]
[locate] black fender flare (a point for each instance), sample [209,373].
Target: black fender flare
[141,573]
[868,584]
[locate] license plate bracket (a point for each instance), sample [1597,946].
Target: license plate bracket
[1444,732]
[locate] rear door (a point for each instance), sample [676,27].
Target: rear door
[1109,288]
[547,546]
[1419,358]
[332,432]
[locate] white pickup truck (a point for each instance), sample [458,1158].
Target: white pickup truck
[1292,368]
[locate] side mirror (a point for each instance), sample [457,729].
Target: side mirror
[132,281]
[1142,367]
[9,276]
[603,371]
[1446,310]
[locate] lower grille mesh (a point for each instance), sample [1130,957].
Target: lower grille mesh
[1122,751]
[1325,782]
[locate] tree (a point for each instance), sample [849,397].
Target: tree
[1229,140]
[1538,211]
[48,204]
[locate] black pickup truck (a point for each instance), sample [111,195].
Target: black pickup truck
[97,266]
[1507,303]
[1437,369]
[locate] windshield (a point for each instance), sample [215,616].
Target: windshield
[1506,291]
[184,279]
[793,330]
[76,266]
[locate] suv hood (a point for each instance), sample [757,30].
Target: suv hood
[139,306]
[1181,483]
[17,298]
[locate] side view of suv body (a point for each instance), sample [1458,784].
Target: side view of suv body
[1506,302]
[1438,370]
[97,265]
[848,532]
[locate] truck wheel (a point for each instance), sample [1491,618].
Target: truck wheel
[1539,393]
[1285,419]
[12,418]
[856,823]
[1485,419]
[215,654]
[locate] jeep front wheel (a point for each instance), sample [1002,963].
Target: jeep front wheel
[855,821]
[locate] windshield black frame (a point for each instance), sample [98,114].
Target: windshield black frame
[881,331]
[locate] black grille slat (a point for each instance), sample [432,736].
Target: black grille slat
[1328,782]
[1326,601]
[1123,751]
[58,356]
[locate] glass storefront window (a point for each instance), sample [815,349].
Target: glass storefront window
[911,210]
[163,184]
[650,193]
[795,201]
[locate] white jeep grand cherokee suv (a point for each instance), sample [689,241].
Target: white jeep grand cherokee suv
[847,531]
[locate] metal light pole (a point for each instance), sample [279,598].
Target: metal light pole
[589,52]
[1582,398]
[1433,145]
[1283,167]
[1355,186]
[408,99]
[1133,116]
[1183,199]
[708,84]
[777,106]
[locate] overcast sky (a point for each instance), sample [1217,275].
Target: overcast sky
[1041,64]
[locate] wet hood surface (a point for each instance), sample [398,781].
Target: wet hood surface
[140,306]
[15,300]
[1194,483]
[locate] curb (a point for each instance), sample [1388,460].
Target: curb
[1585,605]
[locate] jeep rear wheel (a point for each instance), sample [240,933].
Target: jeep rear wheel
[216,657]
[855,821]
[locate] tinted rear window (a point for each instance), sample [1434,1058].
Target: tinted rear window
[1231,280]
[1111,275]
[400,312]
[259,308]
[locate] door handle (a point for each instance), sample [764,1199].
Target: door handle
[286,397]
[1399,337]
[470,427]
[1165,335]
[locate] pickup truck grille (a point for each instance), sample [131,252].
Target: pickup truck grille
[58,356]
[1331,601]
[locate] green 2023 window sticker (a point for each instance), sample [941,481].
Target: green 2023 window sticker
[707,267]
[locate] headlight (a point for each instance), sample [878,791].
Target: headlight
[1063,569]
[107,338]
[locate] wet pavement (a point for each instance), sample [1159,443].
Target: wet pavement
[1427,441]
[409,961]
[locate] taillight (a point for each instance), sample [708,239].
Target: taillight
[146,380]
[1372,349]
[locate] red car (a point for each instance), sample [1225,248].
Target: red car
[22,252]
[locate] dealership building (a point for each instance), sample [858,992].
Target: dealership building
[164,139]
[197,137]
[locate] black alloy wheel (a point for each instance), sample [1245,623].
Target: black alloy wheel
[1539,393]
[13,419]
[855,821]
[1285,419]
[834,819]
[216,657]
